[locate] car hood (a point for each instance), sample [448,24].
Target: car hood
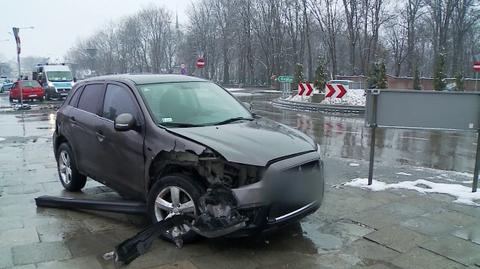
[250,142]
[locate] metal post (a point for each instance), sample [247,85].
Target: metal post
[20,78]
[373,129]
[477,165]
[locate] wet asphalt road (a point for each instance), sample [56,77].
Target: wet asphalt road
[353,229]
[347,137]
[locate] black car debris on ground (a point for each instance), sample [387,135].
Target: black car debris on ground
[185,146]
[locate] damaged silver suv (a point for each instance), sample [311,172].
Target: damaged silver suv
[169,140]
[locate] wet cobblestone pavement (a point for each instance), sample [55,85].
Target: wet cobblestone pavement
[354,228]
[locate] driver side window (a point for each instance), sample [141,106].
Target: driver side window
[118,100]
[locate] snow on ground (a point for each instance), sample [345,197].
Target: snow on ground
[1,138]
[354,164]
[241,94]
[298,98]
[353,97]
[270,91]
[403,174]
[463,194]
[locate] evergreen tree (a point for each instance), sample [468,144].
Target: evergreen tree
[320,75]
[372,79]
[416,79]
[459,81]
[439,75]
[298,75]
[382,76]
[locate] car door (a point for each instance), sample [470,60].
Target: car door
[84,121]
[122,152]
[14,91]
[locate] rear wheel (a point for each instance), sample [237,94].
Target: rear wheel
[69,176]
[175,194]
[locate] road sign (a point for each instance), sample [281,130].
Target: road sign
[335,90]
[305,89]
[287,79]
[427,110]
[200,63]
[476,66]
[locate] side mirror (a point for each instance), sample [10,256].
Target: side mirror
[124,122]
[247,105]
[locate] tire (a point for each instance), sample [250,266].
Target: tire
[47,96]
[68,174]
[10,99]
[188,189]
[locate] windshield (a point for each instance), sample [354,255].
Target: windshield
[59,76]
[30,84]
[191,104]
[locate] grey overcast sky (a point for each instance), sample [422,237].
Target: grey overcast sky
[58,24]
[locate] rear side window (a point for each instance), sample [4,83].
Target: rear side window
[30,84]
[75,97]
[91,98]
[118,100]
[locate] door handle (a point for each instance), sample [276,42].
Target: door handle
[100,136]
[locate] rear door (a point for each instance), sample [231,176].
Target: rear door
[84,121]
[122,152]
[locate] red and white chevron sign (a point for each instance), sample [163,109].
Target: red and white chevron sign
[335,90]
[305,89]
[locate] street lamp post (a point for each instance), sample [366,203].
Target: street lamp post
[16,31]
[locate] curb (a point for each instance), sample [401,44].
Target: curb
[318,107]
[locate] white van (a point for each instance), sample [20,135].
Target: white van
[56,79]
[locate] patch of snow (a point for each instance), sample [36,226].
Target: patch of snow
[354,164]
[463,194]
[270,91]
[234,89]
[241,93]
[353,97]
[403,174]
[298,98]
[1,138]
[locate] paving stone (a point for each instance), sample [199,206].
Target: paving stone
[427,226]
[9,223]
[397,238]
[281,259]
[57,231]
[376,218]
[459,250]
[16,237]
[421,258]
[370,251]
[401,209]
[176,265]
[452,217]
[23,189]
[227,259]
[84,243]
[471,234]
[88,262]
[40,252]
[6,257]
[26,266]
[323,241]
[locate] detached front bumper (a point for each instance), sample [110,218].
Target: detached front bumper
[276,201]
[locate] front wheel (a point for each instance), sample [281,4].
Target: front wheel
[69,176]
[175,194]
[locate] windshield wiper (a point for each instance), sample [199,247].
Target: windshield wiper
[181,125]
[232,120]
